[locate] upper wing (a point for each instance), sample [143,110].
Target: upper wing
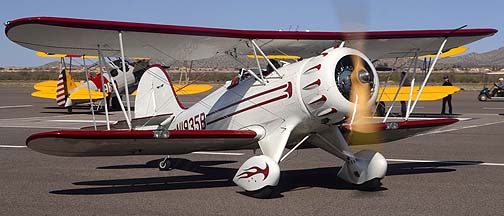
[138,142]
[82,37]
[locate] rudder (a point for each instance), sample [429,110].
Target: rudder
[64,85]
[155,94]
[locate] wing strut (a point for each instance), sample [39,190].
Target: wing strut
[427,77]
[412,84]
[266,57]
[116,91]
[89,90]
[126,90]
[100,68]
[399,89]
[257,61]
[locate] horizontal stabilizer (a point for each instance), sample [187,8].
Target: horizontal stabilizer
[48,85]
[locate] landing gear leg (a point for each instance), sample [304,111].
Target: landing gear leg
[364,169]
[165,164]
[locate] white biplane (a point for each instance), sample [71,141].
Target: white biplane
[324,98]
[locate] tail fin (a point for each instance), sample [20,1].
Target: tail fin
[155,94]
[64,86]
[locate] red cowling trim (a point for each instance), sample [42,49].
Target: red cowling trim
[143,134]
[232,33]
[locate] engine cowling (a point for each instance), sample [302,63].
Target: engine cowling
[326,83]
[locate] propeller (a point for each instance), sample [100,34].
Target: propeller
[353,17]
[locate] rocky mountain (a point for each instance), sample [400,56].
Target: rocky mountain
[492,59]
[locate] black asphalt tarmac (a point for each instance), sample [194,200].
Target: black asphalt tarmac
[456,170]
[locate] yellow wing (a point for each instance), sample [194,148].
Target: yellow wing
[188,89]
[276,56]
[429,93]
[451,52]
[47,89]
[83,94]
[191,89]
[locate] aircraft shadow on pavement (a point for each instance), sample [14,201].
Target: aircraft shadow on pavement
[213,177]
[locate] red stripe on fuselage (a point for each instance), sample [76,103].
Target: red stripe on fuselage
[251,97]
[249,108]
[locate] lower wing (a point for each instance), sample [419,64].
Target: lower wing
[47,89]
[78,143]
[391,131]
[429,93]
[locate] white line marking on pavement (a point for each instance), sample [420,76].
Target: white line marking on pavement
[219,153]
[482,114]
[11,146]
[35,117]
[460,128]
[15,106]
[79,121]
[463,119]
[493,108]
[33,126]
[447,162]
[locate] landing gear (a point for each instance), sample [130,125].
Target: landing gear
[165,164]
[366,170]
[258,176]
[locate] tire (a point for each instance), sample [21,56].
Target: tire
[263,193]
[482,98]
[164,165]
[371,185]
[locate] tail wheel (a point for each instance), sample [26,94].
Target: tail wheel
[165,164]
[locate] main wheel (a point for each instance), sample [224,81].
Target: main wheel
[482,97]
[371,185]
[164,165]
[263,193]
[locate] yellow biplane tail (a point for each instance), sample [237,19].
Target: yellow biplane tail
[64,85]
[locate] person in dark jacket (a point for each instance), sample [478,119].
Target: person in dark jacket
[407,84]
[448,98]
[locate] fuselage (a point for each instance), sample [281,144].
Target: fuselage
[307,95]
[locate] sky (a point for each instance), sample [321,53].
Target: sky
[320,15]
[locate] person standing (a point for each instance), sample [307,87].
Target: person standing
[407,83]
[448,98]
